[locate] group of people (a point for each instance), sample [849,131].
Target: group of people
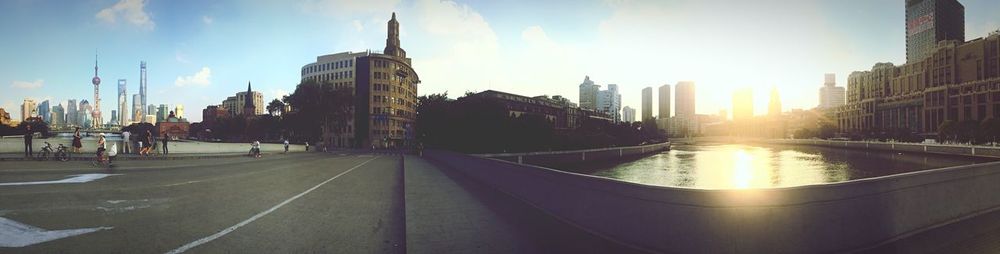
[144,143]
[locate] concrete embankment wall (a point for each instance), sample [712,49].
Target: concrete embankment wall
[576,157]
[836,217]
[980,151]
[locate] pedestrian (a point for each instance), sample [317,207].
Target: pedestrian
[125,141]
[286,145]
[149,142]
[307,146]
[28,135]
[77,144]
[100,147]
[165,139]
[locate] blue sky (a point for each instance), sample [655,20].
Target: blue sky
[200,52]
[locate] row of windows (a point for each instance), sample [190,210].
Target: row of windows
[328,66]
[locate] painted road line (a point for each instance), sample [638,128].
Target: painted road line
[16,234]
[73,179]
[261,214]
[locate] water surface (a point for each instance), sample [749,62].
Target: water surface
[734,166]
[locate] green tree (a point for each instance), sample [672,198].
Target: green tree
[319,108]
[990,129]
[946,131]
[275,107]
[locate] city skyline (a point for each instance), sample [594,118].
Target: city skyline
[197,58]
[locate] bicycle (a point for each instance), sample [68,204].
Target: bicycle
[44,153]
[62,153]
[103,161]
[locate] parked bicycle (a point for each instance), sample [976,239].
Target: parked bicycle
[44,153]
[62,153]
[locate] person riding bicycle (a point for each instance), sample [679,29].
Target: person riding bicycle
[255,149]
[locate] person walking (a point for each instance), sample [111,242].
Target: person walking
[286,145]
[28,135]
[165,139]
[125,142]
[77,144]
[100,147]
[307,146]
[149,142]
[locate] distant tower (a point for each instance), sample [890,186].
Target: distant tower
[774,105]
[96,114]
[248,107]
[392,46]
[122,103]
[142,86]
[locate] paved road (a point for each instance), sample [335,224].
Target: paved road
[305,202]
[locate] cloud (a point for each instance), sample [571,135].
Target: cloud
[181,58]
[27,84]
[465,51]
[207,20]
[201,78]
[278,93]
[342,8]
[357,25]
[132,11]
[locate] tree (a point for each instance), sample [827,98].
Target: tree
[945,131]
[990,129]
[319,109]
[275,107]
[37,125]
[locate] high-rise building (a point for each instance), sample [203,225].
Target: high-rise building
[122,103]
[647,103]
[664,103]
[162,112]
[137,115]
[29,109]
[71,113]
[628,114]
[684,99]
[743,105]
[610,102]
[45,111]
[58,116]
[588,94]
[774,105]
[84,112]
[150,111]
[179,111]
[386,85]
[142,88]
[114,117]
[96,112]
[929,22]
[831,95]
[248,102]
[236,105]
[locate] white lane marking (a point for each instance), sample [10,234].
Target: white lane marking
[261,214]
[16,234]
[73,179]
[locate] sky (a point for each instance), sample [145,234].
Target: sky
[200,52]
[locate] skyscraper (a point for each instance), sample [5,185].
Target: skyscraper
[71,113]
[774,105]
[831,95]
[610,102]
[929,22]
[29,109]
[647,103]
[122,103]
[45,111]
[685,99]
[664,101]
[628,114]
[96,112]
[179,111]
[150,114]
[114,116]
[162,112]
[142,87]
[588,94]
[137,109]
[84,112]
[58,116]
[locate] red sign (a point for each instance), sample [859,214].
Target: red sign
[920,24]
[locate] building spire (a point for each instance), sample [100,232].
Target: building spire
[95,63]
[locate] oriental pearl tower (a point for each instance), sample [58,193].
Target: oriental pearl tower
[96,114]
